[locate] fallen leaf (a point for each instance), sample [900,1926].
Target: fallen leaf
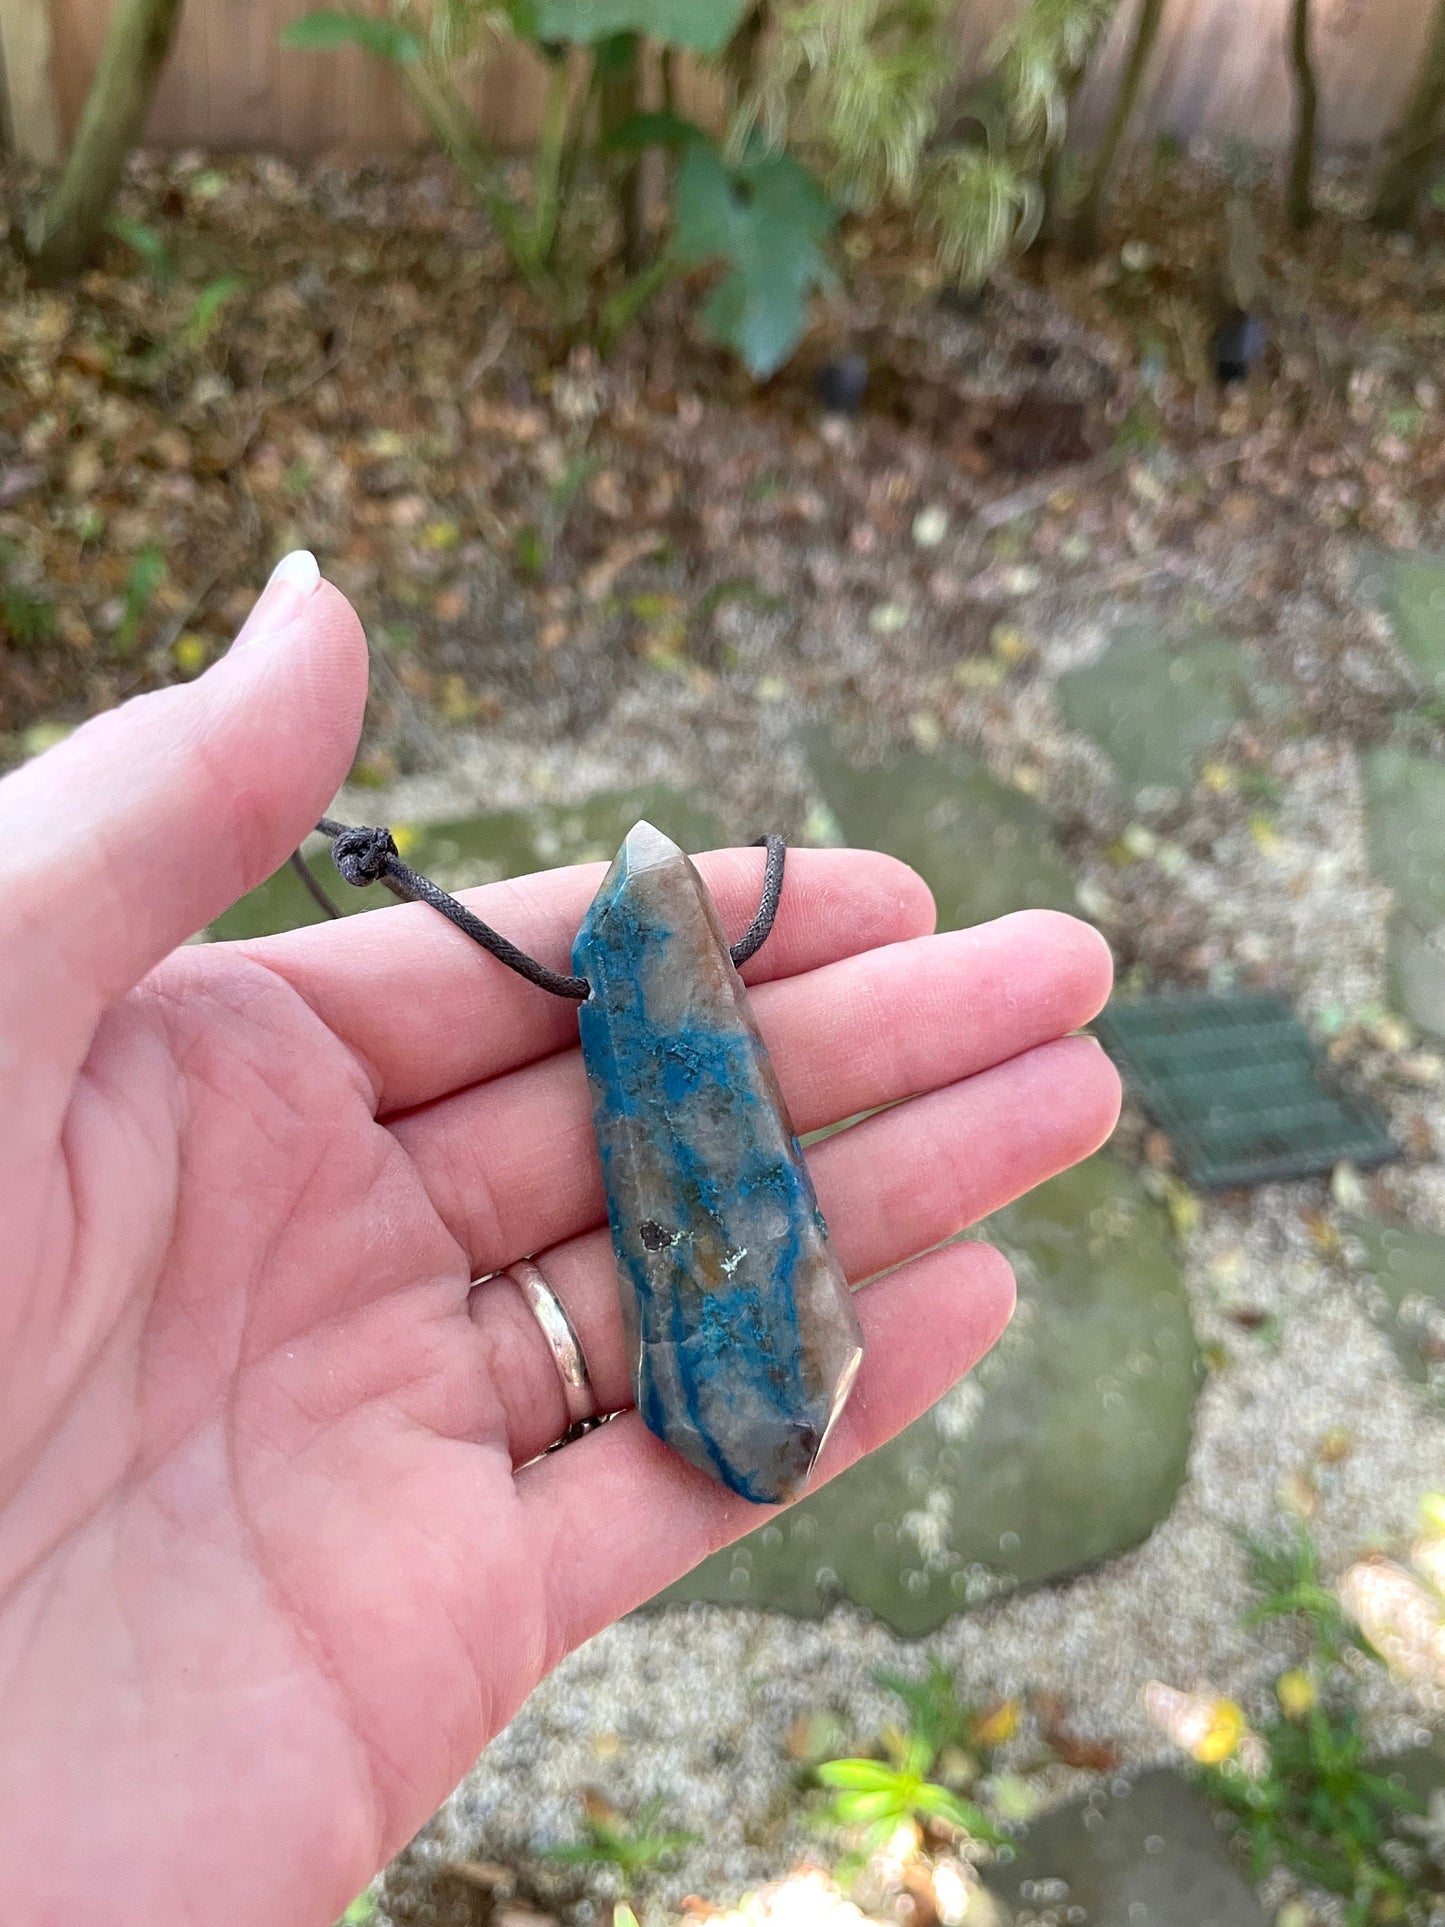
[1324,1233]
[598,581]
[1093,1756]
[489,1875]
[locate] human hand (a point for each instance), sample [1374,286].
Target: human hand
[274,1563]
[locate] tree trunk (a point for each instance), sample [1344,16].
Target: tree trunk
[620,97]
[136,45]
[1299,202]
[1084,224]
[1053,173]
[1413,149]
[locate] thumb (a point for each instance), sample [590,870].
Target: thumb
[127,838]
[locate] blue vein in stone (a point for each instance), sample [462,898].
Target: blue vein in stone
[742,1336]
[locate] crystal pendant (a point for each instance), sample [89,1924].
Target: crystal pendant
[741,1332]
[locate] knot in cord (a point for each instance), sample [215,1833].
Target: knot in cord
[364,855]
[361,854]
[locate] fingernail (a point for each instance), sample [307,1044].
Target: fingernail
[293,582]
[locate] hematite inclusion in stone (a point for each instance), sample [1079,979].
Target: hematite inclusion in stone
[741,1331]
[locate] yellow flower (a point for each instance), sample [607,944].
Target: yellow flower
[1296,1694]
[191,654]
[1009,645]
[998,1724]
[1432,1515]
[405,837]
[1202,1725]
[1266,836]
[1227,1727]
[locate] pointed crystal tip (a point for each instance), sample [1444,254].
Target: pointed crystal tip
[646,848]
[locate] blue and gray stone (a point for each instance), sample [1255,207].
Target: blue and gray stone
[741,1332]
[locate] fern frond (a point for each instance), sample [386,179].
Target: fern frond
[981,206]
[1038,52]
[457,30]
[857,82]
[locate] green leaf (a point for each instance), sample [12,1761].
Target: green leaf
[146,242]
[860,1809]
[321,32]
[963,1814]
[764,217]
[704,25]
[861,1776]
[651,130]
[876,1837]
[981,206]
[143,584]
[206,311]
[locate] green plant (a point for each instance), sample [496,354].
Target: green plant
[65,232]
[633,1845]
[143,584]
[1318,1808]
[1301,1787]
[1290,1584]
[937,1717]
[27,616]
[873,1799]
[200,324]
[757,213]
[765,218]
[147,243]
[827,103]
[861,87]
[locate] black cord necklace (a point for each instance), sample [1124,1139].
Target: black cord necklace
[369,855]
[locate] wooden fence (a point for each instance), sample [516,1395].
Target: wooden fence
[1220,67]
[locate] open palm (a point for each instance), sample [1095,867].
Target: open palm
[277,1554]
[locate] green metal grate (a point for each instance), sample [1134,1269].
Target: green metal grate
[1237,1085]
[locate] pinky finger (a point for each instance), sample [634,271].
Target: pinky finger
[618,1516]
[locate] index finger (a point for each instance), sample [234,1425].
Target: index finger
[426,1011]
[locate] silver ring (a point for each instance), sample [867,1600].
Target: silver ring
[561,1336]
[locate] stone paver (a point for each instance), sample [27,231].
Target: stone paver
[1408,1265]
[1154,1855]
[1411,591]
[1153,706]
[1405,815]
[983,847]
